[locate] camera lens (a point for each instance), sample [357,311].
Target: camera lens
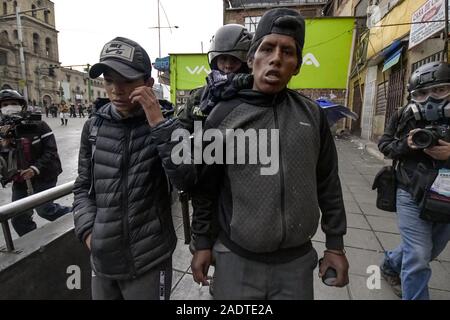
[422,139]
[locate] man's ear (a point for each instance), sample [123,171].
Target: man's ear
[150,81]
[250,63]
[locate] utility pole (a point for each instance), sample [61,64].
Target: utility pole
[446,32]
[159,33]
[39,84]
[88,67]
[21,55]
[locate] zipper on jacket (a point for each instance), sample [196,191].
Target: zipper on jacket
[282,191]
[125,199]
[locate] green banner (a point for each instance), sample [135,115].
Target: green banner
[326,54]
[326,58]
[187,71]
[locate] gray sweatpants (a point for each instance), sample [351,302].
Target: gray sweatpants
[155,284]
[237,278]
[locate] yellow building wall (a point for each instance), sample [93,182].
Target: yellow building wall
[382,37]
[346,9]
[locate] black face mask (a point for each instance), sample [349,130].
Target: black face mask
[434,109]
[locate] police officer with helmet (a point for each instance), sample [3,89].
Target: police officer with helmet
[227,55]
[30,158]
[418,139]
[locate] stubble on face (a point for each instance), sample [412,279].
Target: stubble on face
[274,63]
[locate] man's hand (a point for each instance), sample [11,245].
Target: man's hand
[439,152]
[5,142]
[145,96]
[200,265]
[336,260]
[27,174]
[87,241]
[411,145]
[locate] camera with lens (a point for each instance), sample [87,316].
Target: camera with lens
[430,136]
[18,124]
[14,153]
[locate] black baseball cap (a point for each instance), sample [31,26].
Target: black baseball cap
[282,21]
[125,57]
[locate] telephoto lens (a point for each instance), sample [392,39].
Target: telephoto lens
[330,275]
[424,138]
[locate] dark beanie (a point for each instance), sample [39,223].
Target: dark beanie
[281,21]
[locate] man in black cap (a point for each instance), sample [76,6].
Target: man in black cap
[264,248]
[122,203]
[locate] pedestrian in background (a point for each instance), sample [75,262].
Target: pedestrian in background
[64,113]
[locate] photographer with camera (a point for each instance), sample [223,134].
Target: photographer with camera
[418,139]
[28,158]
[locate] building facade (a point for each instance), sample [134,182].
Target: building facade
[40,45]
[75,87]
[389,46]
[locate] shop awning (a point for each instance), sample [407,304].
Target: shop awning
[392,60]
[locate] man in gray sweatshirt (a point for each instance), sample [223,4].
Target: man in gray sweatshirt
[268,216]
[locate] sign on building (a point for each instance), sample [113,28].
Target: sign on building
[326,54]
[432,10]
[326,58]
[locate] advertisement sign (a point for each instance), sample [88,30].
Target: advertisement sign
[187,72]
[162,64]
[326,54]
[432,10]
[326,58]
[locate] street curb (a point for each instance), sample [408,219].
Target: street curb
[370,148]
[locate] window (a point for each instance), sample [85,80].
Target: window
[16,35]
[68,77]
[98,94]
[48,48]
[33,13]
[15,6]
[5,8]
[4,38]
[46,16]
[251,23]
[36,46]
[380,108]
[3,58]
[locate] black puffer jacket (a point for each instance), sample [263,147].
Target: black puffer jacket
[128,211]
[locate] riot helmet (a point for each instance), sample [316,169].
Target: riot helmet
[431,80]
[233,40]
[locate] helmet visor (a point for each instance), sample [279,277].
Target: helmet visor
[439,91]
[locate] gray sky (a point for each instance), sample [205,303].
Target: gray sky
[86,25]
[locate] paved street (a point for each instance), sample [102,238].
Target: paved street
[370,231]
